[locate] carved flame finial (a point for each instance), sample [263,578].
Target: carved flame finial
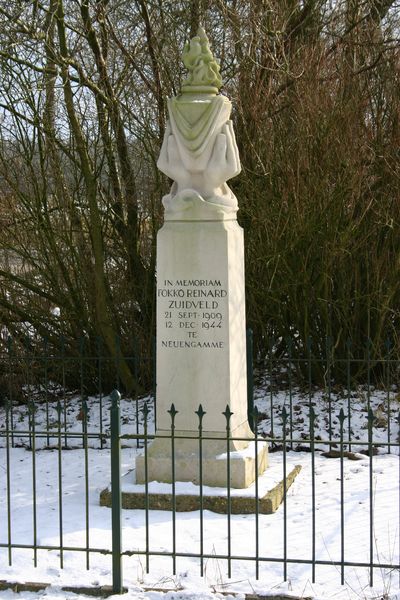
[204,76]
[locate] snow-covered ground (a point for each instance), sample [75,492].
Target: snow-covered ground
[187,583]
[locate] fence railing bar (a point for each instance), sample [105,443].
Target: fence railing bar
[264,559]
[54,358]
[213,555]
[94,357]
[275,440]
[336,360]
[301,441]
[52,434]
[59,548]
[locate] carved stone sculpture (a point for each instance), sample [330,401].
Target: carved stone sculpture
[201,332]
[199,151]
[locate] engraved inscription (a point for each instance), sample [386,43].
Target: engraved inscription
[192,313]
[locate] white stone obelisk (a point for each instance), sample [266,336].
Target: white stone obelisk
[201,337]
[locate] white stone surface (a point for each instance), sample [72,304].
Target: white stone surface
[201,334]
[201,339]
[199,152]
[201,353]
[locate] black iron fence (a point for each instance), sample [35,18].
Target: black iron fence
[51,376]
[292,416]
[332,447]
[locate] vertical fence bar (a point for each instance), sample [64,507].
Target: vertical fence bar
[271,395]
[63,375]
[117,360]
[289,348]
[116,493]
[82,392]
[398,487]
[250,377]
[348,383]
[371,496]
[8,475]
[173,412]
[31,408]
[135,374]
[146,483]
[46,386]
[341,421]
[284,424]
[227,414]
[10,363]
[29,390]
[256,491]
[154,346]
[369,373]
[329,383]
[60,502]
[200,413]
[86,455]
[309,356]
[100,386]
[387,382]
[312,448]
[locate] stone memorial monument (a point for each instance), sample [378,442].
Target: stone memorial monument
[201,338]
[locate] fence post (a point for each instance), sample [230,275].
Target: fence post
[116,492]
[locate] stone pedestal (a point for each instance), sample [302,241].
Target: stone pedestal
[201,352]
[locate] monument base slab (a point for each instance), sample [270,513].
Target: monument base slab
[244,462]
[270,498]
